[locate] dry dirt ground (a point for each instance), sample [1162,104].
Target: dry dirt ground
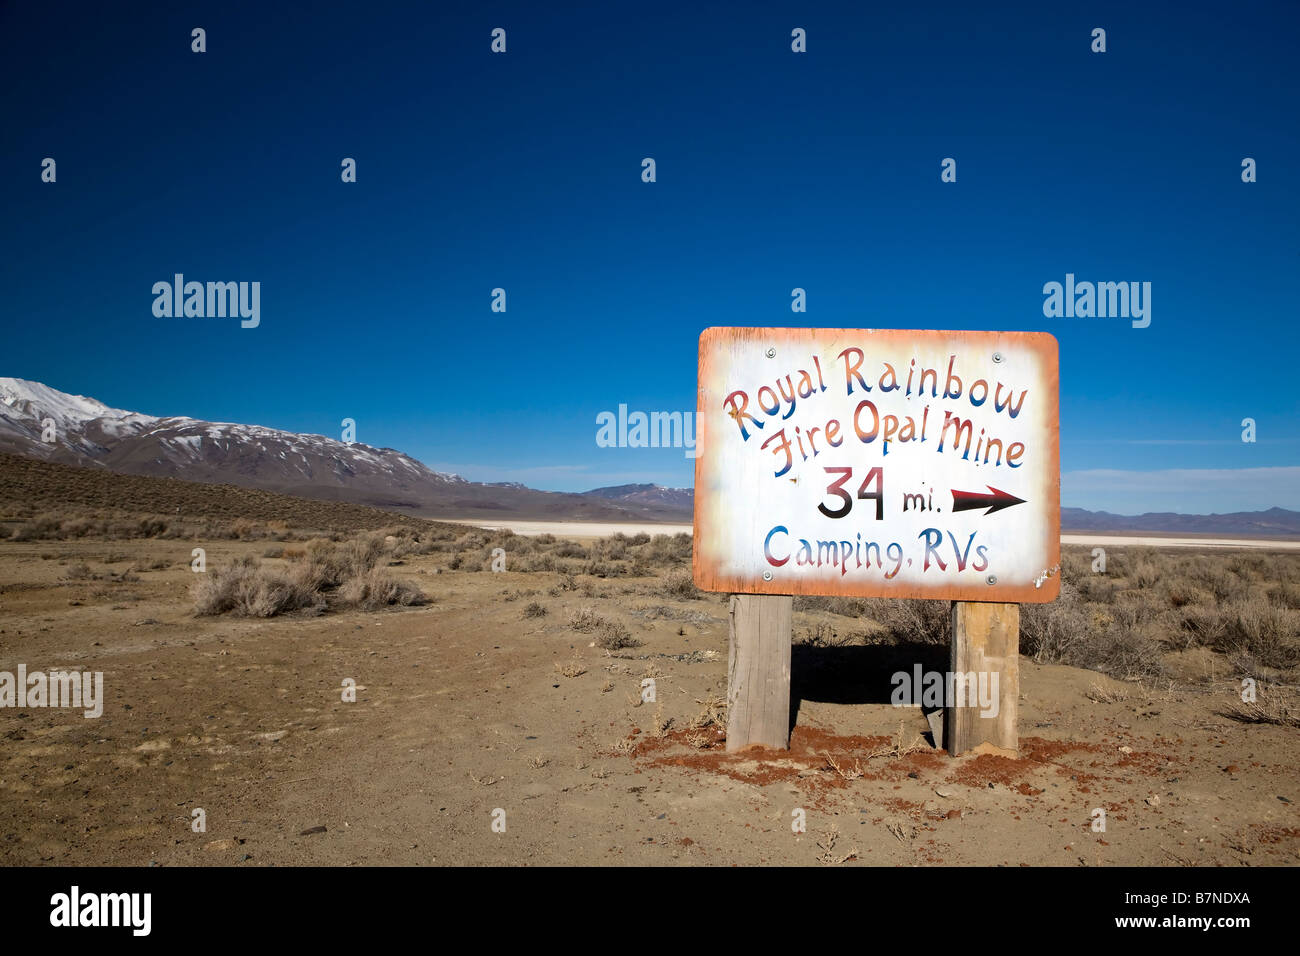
[468,711]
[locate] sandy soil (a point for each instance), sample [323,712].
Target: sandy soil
[466,706]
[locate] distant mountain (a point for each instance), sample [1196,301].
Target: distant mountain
[88,433]
[1275,522]
[84,431]
[653,497]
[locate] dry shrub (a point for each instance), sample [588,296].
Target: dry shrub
[613,636]
[80,528]
[327,564]
[1250,566]
[155,564]
[1269,633]
[403,547]
[248,590]
[610,635]
[1252,627]
[614,556]
[846,607]
[536,562]
[822,634]
[246,530]
[1287,595]
[40,528]
[1184,593]
[605,569]
[377,588]
[1205,626]
[1097,588]
[613,548]
[359,556]
[666,549]
[348,570]
[1123,653]
[1221,582]
[585,619]
[1146,574]
[1068,631]
[570,549]
[680,584]
[912,622]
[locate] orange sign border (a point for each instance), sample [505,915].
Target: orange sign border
[1043,344]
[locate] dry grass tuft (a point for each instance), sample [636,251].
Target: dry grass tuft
[896,747]
[714,714]
[828,854]
[661,723]
[574,668]
[1271,706]
[846,772]
[1103,695]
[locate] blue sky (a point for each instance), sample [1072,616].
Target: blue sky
[775,170]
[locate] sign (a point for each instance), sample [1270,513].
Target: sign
[871,463]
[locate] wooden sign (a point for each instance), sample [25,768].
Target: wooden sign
[872,463]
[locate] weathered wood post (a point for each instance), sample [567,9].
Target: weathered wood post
[985,642]
[758,671]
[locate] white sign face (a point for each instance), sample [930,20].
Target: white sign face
[874,463]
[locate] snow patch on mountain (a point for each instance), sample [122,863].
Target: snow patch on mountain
[89,431]
[41,402]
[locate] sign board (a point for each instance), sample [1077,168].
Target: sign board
[873,463]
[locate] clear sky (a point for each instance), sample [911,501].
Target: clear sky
[775,170]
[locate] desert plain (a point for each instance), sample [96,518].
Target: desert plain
[345,686]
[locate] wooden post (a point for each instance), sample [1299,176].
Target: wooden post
[758,671]
[985,641]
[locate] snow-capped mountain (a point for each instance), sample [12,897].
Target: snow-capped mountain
[34,412]
[42,422]
[31,398]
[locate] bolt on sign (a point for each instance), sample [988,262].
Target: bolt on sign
[879,463]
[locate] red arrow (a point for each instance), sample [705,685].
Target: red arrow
[966,500]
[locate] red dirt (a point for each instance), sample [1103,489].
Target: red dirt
[810,751]
[990,768]
[1269,834]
